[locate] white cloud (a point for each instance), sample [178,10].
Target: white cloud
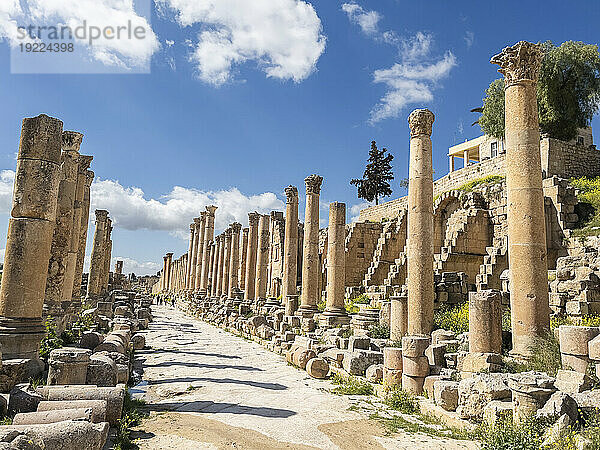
[173,212]
[412,80]
[284,37]
[132,266]
[123,53]
[469,38]
[7,179]
[355,210]
[366,20]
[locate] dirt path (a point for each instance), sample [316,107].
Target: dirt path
[207,388]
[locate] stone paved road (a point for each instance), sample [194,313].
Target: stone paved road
[207,388]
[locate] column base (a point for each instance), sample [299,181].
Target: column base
[307,311]
[334,317]
[20,337]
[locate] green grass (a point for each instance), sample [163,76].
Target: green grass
[130,418]
[352,305]
[505,435]
[589,207]
[350,386]
[589,320]
[398,423]
[545,357]
[488,179]
[401,401]
[379,332]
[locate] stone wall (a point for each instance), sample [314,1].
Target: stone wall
[361,242]
[568,159]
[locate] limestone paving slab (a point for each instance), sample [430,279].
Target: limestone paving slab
[206,385]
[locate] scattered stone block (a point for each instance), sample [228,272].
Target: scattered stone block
[575,362]
[39,417]
[558,404]
[436,354]
[477,391]
[446,394]
[90,340]
[102,371]
[572,382]
[574,339]
[359,343]
[98,407]
[594,348]
[67,435]
[356,363]
[138,341]
[374,373]
[317,368]
[497,410]
[392,377]
[481,362]
[23,398]
[68,365]
[428,385]
[414,346]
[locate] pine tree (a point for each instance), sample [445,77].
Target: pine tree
[378,173]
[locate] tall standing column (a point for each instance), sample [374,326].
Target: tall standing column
[220,264]
[85,217]
[420,224]
[234,260]
[250,282]
[61,239]
[188,271]
[97,256]
[226,261]
[335,311]
[215,267]
[310,261]
[106,259]
[169,272]
[211,263]
[243,256]
[197,251]
[29,237]
[290,250]
[262,258]
[530,313]
[163,278]
[209,232]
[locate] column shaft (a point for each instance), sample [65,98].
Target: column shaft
[250,282]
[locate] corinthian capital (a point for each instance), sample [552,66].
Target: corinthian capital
[71,140]
[420,122]
[253,218]
[313,184]
[89,177]
[291,192]
[211,210]
[236,227]
[521,62]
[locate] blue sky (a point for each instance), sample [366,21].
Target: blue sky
[301,93]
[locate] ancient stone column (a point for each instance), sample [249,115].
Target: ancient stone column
[197,251]
[61,239]
[119,268]
[250,282]
[209,231]
[227,260]
[163,279]
[169,272]
[98,253]
[485,322]
[107,258]
[83,163]
[243,256]
[211,262]
[215,267]
[398,316]
[290,251]
[220,267]
[310,262]
[29,238]
[85,216]
[234,260]
[262,258]
[188,268]
[420,224]
[530,313]
[335,312]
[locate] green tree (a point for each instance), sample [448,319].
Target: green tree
[378,173]
[568,92]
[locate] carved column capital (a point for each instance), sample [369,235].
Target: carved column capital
[313,184]
[84,162]
[291,193]
[521,62]
[101,215]
[420,122]
[253,218]
[89,177]
[236,227]
[71,140]
[210,209]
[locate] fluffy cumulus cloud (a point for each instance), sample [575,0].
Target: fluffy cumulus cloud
[413,79]
[173,212]
[283,37]
[366,20]
[111,51]
[355,210]
[7,179]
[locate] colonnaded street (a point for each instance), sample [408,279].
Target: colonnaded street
[207,388]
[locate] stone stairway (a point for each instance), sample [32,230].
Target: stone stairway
[397,273]
[389,245]
[494,263]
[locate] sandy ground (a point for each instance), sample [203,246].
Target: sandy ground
[208,389]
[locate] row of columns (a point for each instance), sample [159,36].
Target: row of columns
[47,233]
